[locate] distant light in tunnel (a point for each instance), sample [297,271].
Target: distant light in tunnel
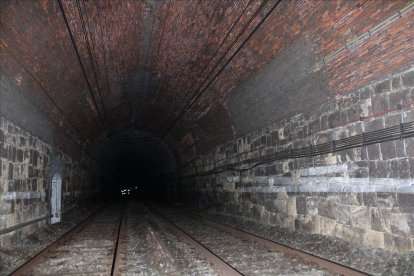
[128,190]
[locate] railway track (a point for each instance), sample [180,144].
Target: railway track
[91,247]
[233,258]
[150,240]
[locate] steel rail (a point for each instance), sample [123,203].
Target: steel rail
[332,266]
[116,264]
[30,264]
[221,265]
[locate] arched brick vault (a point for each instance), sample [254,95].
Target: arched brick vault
[144,61]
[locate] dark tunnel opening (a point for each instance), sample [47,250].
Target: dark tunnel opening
[134,165]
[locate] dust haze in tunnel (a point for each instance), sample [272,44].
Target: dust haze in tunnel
[131,160]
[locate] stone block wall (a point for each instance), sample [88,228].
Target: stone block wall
[25,180]
[363,195]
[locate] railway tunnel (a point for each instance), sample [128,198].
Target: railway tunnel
[167,137]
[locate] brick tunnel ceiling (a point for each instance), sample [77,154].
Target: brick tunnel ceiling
[144,62]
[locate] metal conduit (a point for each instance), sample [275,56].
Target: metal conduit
[23,224]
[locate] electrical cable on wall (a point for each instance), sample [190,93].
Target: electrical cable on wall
[401,131]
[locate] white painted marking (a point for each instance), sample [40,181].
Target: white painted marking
[56,199]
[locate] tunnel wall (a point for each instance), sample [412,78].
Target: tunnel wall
[26,167]
[363,195]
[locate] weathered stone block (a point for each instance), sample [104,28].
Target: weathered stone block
[384,86]
[373,238]
[399,97]
[276,219]
[392,120]
[399,168]
[374,124]
[396,83]
[360,217]
[291,206]
[388,150]
[406,202]
[330,227]
[381,170]
[265,217]
[301,205]
[408,79]
[258,211]
[282,195]
[328,209]
[380,103]
[246,206]
[1,138]
[335,197]
[4,152]
[361,172]
[10,172]
[280,205]
[312,204]
[334,119]
[381,219]
[349,199]
[374,152]
[352,234]
[19,155]
[308,223]
[343,213]
[365,93]
[399,146]
[400,224]
[397,243]
[385,199]
[288,222]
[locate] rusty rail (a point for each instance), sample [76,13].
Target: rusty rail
[116,264]
[222,266]
[272,245]
[29,265]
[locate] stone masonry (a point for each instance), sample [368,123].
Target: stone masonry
[363,195]
[25,180]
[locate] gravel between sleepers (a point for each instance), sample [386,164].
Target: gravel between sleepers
[374,261]
[13,257]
